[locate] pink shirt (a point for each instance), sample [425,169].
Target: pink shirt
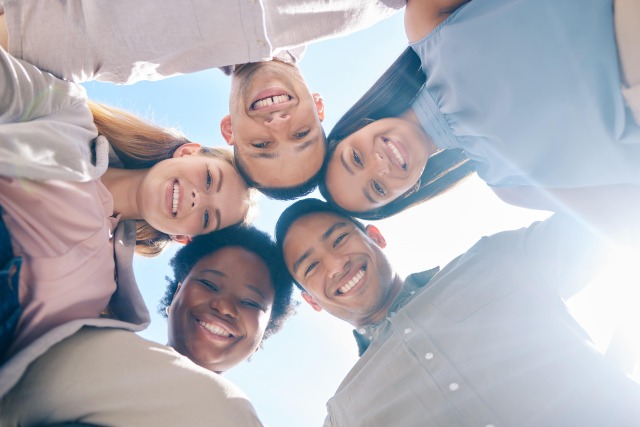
[64,232]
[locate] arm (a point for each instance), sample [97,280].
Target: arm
[46,127]
[627,27]
[422,16]
[612,210]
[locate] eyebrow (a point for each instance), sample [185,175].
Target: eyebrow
[368,196]
[220,177]
[216,272]
[298,149]
[345,164]
[324,237]
[257,291]
[216,213]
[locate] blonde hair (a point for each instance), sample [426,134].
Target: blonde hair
[140,145]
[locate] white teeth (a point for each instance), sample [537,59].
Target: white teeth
[396,153]
[271,100]
[176,194]
[351,283]
[216,330]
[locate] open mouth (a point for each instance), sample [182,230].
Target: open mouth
[176,198]
[352,282]
[270,100]
[216,330]
[397,155]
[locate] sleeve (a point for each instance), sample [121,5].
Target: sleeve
[46,127]
[562,253]
[114,377]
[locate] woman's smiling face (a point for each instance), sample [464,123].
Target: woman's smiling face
[377,164]
[192,194]
[220,311]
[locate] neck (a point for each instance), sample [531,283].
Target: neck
[381,312]
[124,185]
[412,118]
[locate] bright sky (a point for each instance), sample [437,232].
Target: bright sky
[299,369]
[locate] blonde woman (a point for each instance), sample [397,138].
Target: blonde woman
[72,200]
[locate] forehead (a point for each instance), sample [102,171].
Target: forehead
[238,263]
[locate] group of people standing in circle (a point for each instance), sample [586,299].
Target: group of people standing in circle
[530,95]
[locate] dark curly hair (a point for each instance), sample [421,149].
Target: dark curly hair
[246,237]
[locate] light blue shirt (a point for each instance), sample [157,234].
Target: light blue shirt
[530,89]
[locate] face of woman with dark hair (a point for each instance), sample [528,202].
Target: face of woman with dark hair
[377,164]
[220,311]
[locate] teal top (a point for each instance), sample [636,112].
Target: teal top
[530,89]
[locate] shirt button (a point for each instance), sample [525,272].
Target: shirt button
[454,386]
[428,356]
[407,331]
[362,331]
[261,43]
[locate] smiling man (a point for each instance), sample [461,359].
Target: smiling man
[485,341]
[275,129]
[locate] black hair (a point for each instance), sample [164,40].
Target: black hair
[390,96]
[281,193]
[246,237]
[302,208]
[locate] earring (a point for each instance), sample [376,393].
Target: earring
[167,310]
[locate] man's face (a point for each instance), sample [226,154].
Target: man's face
[220,311]
[274,124]
[342,269]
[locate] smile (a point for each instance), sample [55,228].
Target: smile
[216,330]
[269,101]
[394,150]
[176,198]
[352,283]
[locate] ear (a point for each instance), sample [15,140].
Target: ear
[187,149]
[319,105]
[375,235]
[226,129]
[309,299]
[180,238]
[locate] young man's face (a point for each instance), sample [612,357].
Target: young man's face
[342,269]
[274,124]
[220,311]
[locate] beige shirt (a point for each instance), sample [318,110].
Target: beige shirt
[124,42]
[112,377]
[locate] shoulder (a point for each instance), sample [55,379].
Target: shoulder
[422,16]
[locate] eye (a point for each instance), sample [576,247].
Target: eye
[264,144]
[310,268]
[209,285]
[252,304]
[357,160]
[302,134]
[209,179]
[378,189]
[339,239]
[205,219]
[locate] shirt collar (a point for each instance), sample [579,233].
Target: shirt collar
[416,282]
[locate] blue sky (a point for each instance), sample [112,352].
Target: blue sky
[299,369]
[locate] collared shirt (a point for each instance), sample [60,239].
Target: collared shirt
[490,342]
[124,42]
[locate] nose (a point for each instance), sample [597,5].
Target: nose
[382,165]
[224,305]
[199,198]
[277,119]
[336,265]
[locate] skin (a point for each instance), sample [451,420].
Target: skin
[231,292]
[378,163]
[4,35]
[327,254]
[280,145]
[212,195]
